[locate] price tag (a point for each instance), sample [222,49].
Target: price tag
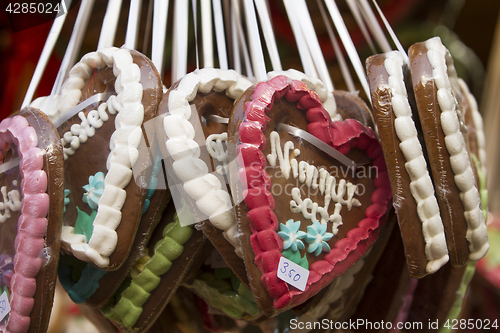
[216,260]
[4,305]
[293,274]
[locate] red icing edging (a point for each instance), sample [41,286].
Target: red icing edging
[343,136]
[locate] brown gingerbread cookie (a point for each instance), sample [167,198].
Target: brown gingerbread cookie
[437,96]
[105,101]
[193,134]
[414,197]
[284,139]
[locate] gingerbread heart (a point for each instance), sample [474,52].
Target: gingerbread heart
[105,101]
[413,193]
[330,209]
[437,95]
[31,181]
[193,135]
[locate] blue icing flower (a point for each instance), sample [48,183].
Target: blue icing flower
[66,199]
[291,235]
[94,190]
[317,238]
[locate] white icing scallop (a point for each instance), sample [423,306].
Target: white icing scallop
[123,144]
[478,124]
[314,84]
[421,188]
[210,194]
[441,62]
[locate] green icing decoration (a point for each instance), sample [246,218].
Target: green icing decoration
[128,308]
[84,224]
[296,258]
[221,295]
[483,192]
[494,240]
[456,308]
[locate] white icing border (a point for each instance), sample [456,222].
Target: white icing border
[421,187]
[314,84]
[478,124]
[211,197]
[124,145]
[441,62]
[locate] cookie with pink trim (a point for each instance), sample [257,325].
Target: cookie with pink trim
[307,189]
[106,103]
[31,180]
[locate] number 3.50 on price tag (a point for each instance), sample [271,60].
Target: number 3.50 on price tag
[293,274]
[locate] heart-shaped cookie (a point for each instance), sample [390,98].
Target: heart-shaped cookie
[413,193]
[437,95]
[105,101]
[31,182]
[330,209]
[193,132]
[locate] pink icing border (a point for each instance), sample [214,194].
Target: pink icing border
[32,224]
[343,136]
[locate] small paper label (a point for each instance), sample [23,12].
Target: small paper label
[293,274]
[4,305]
[216,260]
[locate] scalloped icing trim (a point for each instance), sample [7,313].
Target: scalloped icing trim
[211,197]
[315,84]
[343,136]
[421,187]
[124,145]
[32,224]
[442,64]
[478,124]
[129,308]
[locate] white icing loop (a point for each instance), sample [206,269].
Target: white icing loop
[441,63]
[124,144]
[211,196]
[421,188]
